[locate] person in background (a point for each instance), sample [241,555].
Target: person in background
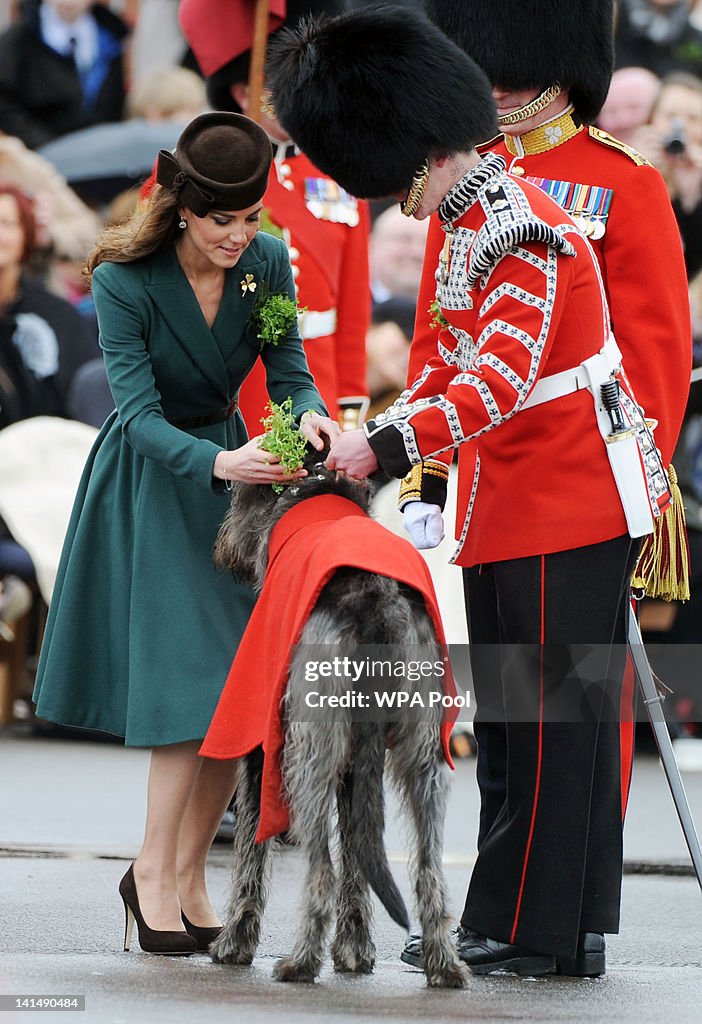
[396,254]
[43,345]
[387,348]
[43,341]
[69,226]
[141,628]
[672,141]
[324,228]
[61,68]
[630,98]
[519,309]
[658,35]
[170,93]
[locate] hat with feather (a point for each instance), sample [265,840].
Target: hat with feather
[220,34]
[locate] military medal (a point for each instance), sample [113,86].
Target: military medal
[588,205]
[328,201]
[442,269]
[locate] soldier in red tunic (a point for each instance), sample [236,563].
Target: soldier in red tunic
[525,380]
[548,94]
[325,228]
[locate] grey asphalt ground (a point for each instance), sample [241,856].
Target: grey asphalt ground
[71,816]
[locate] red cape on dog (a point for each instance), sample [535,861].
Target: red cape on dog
[311,541]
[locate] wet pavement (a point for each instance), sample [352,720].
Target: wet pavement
[71,816]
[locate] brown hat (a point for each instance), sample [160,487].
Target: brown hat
[221,161]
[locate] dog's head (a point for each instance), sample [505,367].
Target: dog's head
[242,541]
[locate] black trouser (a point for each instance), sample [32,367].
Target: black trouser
[550,852]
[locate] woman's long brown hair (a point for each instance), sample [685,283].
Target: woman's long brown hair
[150,229]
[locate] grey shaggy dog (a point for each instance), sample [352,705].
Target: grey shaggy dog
[339,765]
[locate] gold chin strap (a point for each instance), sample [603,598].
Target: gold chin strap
[416,191]
[267,107]
[539,103]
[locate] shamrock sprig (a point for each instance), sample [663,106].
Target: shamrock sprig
[438,319]
[283,438]
[273,315]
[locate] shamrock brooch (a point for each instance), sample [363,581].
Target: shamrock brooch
[248,284]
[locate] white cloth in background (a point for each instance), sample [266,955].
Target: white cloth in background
[448,581]
[447,578]
[157,40]
[41,461]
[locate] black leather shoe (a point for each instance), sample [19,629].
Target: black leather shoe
[412,953]
[484,955]
[589,959]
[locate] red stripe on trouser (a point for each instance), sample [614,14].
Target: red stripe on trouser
[537,783]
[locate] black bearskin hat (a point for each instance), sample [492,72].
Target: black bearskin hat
[370,94]
[531,44]
[220,32]
[221,162]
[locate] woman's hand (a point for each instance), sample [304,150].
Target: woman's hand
[250,464]
[313,425]
[352,454]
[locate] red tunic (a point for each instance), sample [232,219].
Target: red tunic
[326,232]
[316,537]
[534,480]
[637,242]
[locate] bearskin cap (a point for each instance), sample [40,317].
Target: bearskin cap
[370,94]
[530,44]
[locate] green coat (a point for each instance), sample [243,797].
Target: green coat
[142,628]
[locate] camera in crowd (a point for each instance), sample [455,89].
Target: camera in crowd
[674,142]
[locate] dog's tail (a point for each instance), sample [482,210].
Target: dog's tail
[367,813]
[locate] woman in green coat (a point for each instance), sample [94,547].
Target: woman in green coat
[142,628]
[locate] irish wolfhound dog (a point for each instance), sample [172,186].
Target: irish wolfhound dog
[340,762]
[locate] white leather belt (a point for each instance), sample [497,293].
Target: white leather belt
[313,324]
[564,383]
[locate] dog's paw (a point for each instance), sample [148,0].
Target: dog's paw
[352,958]
[452,975]
[225,951]
[353,965]
[293,970]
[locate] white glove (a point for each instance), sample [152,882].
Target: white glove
[424,523]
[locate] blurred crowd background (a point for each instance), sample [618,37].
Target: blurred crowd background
[89,92]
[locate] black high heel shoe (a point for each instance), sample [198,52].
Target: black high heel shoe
[150,940]
[204,936]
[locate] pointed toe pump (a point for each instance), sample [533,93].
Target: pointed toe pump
[151,941]
[204,936]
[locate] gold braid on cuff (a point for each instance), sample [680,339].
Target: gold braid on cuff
[416,191]
[411,485]
[538,104]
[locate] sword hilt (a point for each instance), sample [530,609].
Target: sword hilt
[609,393]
